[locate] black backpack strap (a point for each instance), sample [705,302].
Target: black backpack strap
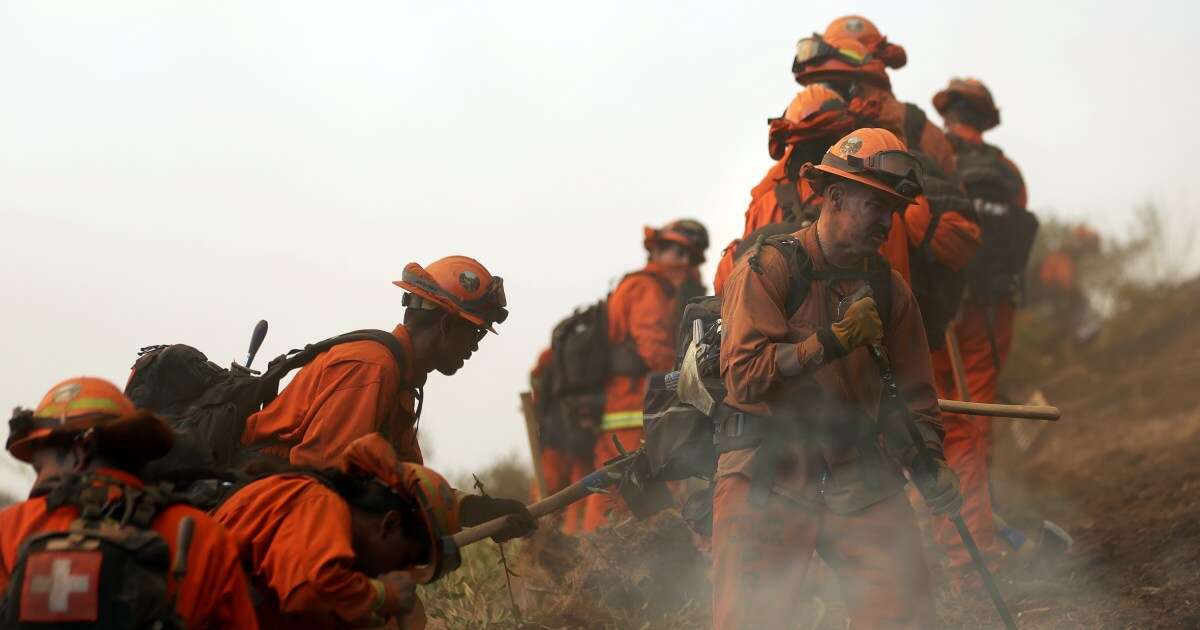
[914,126]
[799,267]
[89,493]
[280,366]
[788,200]
[881,288]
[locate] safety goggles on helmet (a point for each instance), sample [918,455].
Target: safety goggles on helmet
[897,169]
[489,306]
[815,48]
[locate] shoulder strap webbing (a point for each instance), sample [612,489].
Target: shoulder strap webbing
[285,363]
[788,200]
[914,126]
[877,273]
[787,197]
[89,492]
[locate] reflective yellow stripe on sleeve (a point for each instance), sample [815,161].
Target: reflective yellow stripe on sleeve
[621,420]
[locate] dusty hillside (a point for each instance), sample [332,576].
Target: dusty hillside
[1120,472]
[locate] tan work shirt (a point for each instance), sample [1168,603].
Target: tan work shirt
[773,366]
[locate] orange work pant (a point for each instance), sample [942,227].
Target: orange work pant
[601,505]
[761,556]
[561,469]
[968,439]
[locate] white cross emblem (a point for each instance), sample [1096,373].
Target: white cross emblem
[60,584]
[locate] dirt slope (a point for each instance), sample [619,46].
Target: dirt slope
[1121,472]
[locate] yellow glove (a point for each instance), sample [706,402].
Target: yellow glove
[860,326]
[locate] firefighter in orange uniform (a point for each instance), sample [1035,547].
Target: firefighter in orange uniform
[984,325]
[87,443]
[804,463]
[357,388]
[824,59]
[344,548]
[643,319]
[813,120]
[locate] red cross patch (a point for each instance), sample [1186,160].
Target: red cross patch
[61,586]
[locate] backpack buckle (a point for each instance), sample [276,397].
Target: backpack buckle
[735,425]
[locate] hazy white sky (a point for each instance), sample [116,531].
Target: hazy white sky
[175,172]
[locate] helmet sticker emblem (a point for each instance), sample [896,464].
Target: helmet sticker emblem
[854,25]
[469,281]
[66,393]
[850,145]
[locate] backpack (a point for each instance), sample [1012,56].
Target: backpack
[108,569]
[937,288]
[207,405]
[678,438]
[582,361]
[555,426]
[997,271]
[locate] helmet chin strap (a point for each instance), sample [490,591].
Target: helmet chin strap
[83,449]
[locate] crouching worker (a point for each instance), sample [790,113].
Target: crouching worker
[95,547]
[806,464]
[344,548]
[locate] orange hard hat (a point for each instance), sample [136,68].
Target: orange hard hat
[865,31]
[459,285]
[82,403]
[876,158]
[975,94]
[689,233]
[812,99]
[819,59]
[425,489]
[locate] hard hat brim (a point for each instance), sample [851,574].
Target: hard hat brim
[987,110]
[855,177]
[445,304]
[141,436]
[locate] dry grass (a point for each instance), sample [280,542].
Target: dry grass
[639,575]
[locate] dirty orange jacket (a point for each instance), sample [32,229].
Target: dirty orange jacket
[213,593]
[347,392]
[771,366]
[641,313]
[293,533]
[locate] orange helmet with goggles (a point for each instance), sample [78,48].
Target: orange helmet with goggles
[875,158]
[423,488]
[819,59]
[864,30]
[85,403]
[975,95]
[458,285]
[689,233]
